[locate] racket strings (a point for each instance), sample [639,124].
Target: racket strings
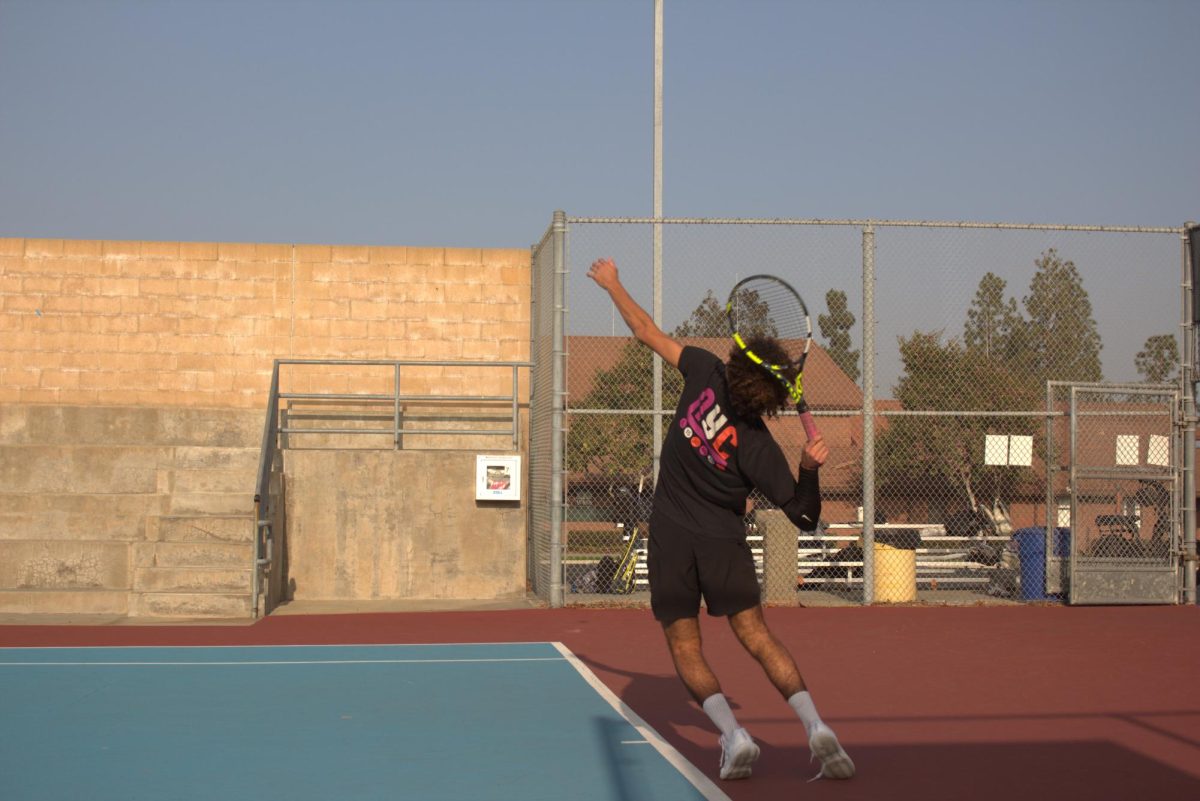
[765,307]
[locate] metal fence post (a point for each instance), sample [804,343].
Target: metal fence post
[557,434]
[868,454]
[1187,378]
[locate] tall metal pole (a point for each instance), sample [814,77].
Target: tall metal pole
[657,425]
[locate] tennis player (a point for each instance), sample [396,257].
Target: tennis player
[717,450]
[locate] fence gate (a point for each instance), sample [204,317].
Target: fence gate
[1125,488]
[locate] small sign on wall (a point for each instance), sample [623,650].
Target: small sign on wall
[498,478]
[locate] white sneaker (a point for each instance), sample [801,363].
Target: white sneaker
[835,763]
[738,752]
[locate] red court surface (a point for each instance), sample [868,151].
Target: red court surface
[982,703]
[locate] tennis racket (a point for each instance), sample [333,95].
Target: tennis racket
[763,305]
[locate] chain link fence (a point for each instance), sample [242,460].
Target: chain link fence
[941,378]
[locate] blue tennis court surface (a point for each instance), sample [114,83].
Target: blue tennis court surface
[510,721]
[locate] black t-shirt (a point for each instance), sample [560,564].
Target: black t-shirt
[712,459]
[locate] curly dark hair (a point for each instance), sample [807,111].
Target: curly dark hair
[752,392]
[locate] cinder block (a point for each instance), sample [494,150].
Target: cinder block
[350,253]
[463,256]
[314,253]
[389,255]
[43,248]
[426,256]
[160,250]
[198,251]
[158,286]
[235,251]
[337,273]
[83,249]
[464,293]
[121,250]
[515,276]
[273,252]
[121,287]
[507,257]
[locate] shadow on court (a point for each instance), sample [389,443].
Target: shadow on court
[1088,770]
[1055,770]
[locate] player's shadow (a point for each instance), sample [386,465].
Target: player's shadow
[662,700]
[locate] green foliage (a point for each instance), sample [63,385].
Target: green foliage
[1158,359]
[619,444]
[1061,335]
[994,328]
[941,457]
[708,319]
[835,328]
[1001,364]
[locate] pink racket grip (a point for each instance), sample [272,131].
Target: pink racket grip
[810,426]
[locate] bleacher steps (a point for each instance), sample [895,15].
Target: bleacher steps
[127,511]
[194,565]
[211,503]
[65,602]
[191,579]
[191,605]
[237,528]
[77,516]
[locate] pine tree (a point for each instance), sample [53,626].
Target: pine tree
[835,328]
[1063,340]
[1158,359]
[993,329]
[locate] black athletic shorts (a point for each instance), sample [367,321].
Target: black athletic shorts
[684,566]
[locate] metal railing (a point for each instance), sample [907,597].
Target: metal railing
[272,429]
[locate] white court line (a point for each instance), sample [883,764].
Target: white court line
[702,783]
[281,662]
[260,645]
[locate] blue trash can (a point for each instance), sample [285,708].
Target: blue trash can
[1031,548]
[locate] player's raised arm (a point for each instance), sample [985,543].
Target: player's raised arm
[604,273]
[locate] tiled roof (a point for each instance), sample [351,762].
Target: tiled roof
[825,384]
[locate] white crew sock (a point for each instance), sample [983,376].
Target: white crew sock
[717,709]
[803,704]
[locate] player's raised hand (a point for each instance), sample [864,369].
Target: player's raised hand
[604,273]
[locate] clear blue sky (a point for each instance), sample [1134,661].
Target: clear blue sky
[458,123]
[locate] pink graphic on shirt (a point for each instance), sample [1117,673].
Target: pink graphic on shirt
[705,426]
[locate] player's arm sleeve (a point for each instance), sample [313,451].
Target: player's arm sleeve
[799,498]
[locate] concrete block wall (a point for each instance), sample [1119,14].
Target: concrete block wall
[104,510]
[199,324]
